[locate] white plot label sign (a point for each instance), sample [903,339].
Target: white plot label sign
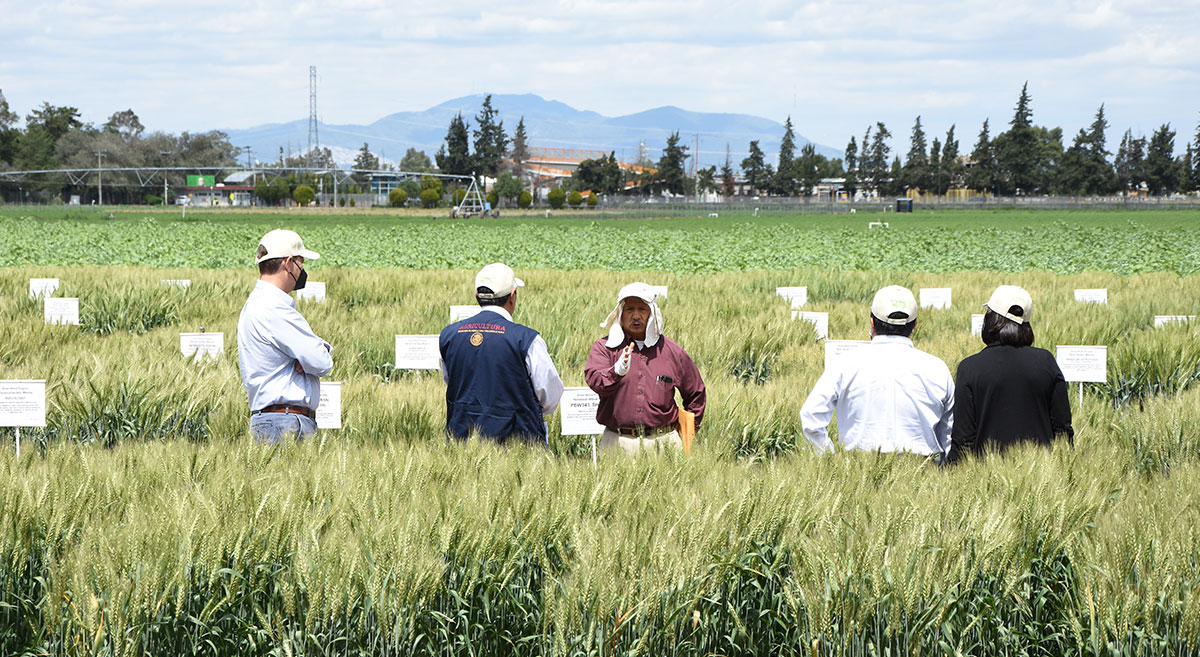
[313,291]
[42,287]
[1163,320]
[1083,364]
[417,352]
[61,311]
[820,321]
[578,411]
[659,290]
[796,296]
[836,350]
[935,297]
[1093,295]
[22,403]
[458,313]
[181,283]
[977,324]
[329,409]
[201,345]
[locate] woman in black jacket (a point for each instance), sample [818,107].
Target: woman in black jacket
[1011,391]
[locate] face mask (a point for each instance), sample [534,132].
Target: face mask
[300,280]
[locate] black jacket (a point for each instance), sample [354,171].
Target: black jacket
[1004,395]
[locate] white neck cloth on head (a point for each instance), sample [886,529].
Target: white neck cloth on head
[654,324]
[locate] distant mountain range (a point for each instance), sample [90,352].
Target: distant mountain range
[547,122]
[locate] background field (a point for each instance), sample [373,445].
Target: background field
[182,537]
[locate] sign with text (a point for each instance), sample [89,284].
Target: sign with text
[935,297]
[1083,364]
[1096,295]
[329,409]
[977,324]
[313,291]
[796,296]
[182,283]
[578,412]
[836,350]
[1163,320]
[61,311]
[417,352]
[820,321]
[42,287]
[22,403]
[660,290]
[202,345]
[462,312]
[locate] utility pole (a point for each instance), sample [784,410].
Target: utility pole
[99,177]
[164,173]
[696,167]
[313,139]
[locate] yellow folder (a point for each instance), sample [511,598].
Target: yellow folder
[687,429]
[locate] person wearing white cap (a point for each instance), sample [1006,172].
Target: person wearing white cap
[635,370]
[500,381]
[889,395]
[280,357]
[1011,391]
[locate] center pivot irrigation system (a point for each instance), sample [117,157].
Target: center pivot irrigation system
[471,204]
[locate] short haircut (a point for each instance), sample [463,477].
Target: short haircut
[267,267]
[902,330]
[498,301]
[998,329]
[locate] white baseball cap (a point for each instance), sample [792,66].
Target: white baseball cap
[1007,296]
[281,243]
[894,298]
[499,278]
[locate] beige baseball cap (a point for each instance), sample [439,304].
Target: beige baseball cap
[894,298]
[499,278]
[281,243]
[1007,296]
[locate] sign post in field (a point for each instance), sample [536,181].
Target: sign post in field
[578,407]
[22,404]
[1083,364]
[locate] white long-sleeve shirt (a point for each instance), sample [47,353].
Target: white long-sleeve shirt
[889,396]
[272,338]
[547,385]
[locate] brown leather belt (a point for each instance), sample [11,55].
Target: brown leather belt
[284,408]
[642,432]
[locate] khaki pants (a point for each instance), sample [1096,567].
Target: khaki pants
[632,446]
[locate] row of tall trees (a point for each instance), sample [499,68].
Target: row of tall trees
[792,175]
[482,150]
[55,137]
[1026,159]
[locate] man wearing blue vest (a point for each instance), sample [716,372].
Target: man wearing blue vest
[500,380]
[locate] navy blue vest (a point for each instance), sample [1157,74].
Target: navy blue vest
[488,388]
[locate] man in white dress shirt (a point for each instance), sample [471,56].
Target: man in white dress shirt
[889,395]
[500,381]
[280,357]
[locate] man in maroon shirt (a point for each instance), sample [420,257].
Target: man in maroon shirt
[636,371]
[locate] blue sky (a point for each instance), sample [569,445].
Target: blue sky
[834,67]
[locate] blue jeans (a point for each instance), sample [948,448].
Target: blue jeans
[271,428]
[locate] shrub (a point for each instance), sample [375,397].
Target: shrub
[303,195]
[556,198]
[432,183]
[342,201]
[151,199]
[430,198]
[352,202]
[493,198]
[575,199]
[459,195]
[525,199]
[397,198]
[592,200]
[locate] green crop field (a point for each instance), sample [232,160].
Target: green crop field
[143,521]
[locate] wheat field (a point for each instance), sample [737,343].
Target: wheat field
[142,519]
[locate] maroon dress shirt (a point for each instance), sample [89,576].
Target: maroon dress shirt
[645,396]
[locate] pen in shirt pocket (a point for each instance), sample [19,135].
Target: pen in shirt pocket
[666,379]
